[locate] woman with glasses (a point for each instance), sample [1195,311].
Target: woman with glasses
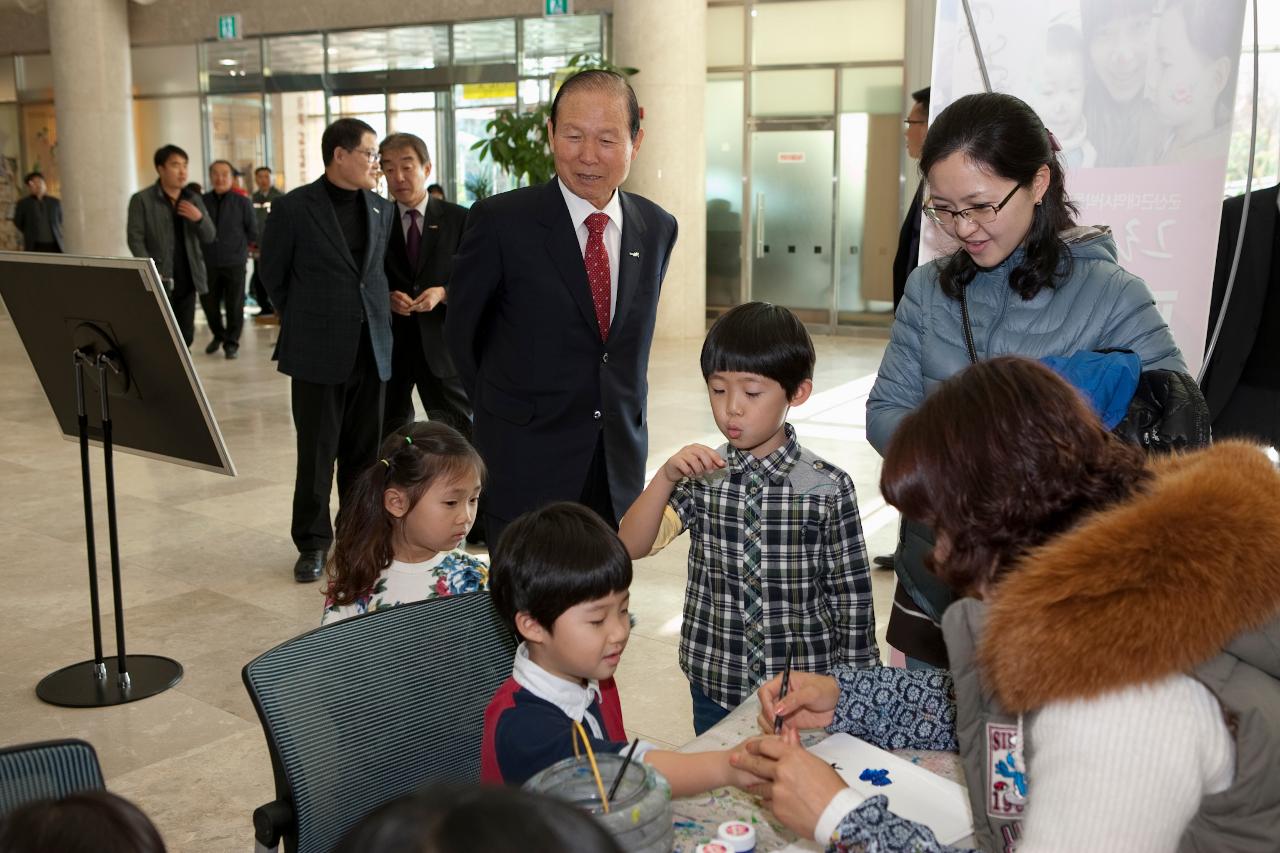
[1025,280]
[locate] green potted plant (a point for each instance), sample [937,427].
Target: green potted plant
[517,143]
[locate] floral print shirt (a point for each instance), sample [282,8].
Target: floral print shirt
[447,573]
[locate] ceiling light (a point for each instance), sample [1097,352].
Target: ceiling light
[228,62]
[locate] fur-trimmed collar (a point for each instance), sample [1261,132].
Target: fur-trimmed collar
[1137,592]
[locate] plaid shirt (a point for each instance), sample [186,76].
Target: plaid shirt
[815,583]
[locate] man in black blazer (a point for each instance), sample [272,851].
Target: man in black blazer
[907,257]
[39,217]
[1242,383]
[322,265]
[419,264]
[555,356]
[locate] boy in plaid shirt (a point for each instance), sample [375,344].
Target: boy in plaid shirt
[777,555]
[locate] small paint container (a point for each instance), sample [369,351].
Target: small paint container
[739,836]
[712,847]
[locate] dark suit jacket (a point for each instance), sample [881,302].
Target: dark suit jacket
[324,295]
[1244,312]
[907,257]
[523,334]
[24,216]
[441,233]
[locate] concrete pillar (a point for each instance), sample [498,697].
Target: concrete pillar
[667,41]
[92,80]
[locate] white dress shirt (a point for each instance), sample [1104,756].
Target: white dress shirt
[405,218]
[579,210]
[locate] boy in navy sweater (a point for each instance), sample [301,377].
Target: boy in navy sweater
[560,576]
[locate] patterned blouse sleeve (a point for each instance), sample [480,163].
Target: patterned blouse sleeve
[872,828]
[897,708]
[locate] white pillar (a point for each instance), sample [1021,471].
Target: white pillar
[667,41]
[92,81]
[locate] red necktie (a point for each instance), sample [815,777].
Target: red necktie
[596,258]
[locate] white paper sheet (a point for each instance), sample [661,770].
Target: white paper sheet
[914,793]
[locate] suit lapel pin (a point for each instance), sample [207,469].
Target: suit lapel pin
[433,227]
[634,254]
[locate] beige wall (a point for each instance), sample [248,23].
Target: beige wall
[880,231]
[188,21]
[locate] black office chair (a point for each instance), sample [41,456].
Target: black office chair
[46,771]
[362,711]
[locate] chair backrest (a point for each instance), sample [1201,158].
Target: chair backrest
[46,771]
[365,710]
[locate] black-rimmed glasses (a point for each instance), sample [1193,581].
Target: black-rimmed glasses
[979,214]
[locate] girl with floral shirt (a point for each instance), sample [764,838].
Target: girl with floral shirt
[401,530]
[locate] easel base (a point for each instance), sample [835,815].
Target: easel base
[77,686]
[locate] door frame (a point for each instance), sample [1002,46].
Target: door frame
[756,125]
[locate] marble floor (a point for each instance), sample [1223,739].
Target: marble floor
[207,562]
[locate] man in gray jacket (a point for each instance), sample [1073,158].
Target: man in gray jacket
[168,223]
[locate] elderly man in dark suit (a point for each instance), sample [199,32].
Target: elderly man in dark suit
[551,315]
[1242,382]
[419,265]
[39,217]
[226,257]
[322,265]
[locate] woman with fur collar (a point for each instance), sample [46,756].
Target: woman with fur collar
[1116,659]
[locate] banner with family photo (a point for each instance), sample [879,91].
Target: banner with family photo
[1139,94]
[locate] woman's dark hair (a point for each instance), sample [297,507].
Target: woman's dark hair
[760,338]
[411,459]
[463,818]
[1001,458]
[553,558]
[1004,137]
[84,822]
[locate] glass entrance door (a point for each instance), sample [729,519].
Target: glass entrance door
[792,212]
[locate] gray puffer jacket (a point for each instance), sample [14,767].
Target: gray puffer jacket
[1099,306]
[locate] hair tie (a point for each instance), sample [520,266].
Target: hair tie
[385,462]
[1054,145]
[409,439]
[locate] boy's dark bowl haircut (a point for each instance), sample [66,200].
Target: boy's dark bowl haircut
[553,558]
[760,338]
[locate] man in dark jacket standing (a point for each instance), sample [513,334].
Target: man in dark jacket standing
[39,217]
[552,309]
[419,264]
[322,264]
[225,259]
[265,194]
[168,223]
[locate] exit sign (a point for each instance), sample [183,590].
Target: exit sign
[557,7]
[229,27]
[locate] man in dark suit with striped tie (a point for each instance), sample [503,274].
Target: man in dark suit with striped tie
[419,264]
[552,308]
[322,265]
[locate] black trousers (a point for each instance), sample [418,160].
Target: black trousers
[226,289]
[443,398]
[595,496]
[184,310]
[259,291]
[335,423]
